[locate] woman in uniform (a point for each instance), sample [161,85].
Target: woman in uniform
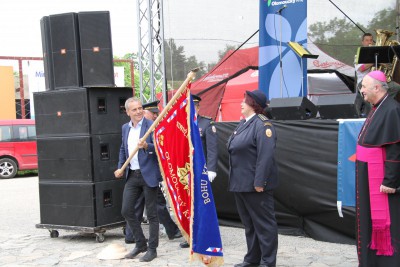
[252,179]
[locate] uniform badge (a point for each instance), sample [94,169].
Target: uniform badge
[213,129]
[268,132]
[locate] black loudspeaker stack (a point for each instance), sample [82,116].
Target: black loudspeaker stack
[77,50]
[292,108]
[78,141]
[341,106]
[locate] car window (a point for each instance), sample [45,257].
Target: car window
[24,133]
[32,132]
[5,133]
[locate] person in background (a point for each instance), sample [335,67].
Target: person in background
[253,178]
[151,112]
[378,177]
[209,140]
[363,69]
[142,176]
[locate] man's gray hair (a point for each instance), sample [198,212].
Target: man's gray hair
[385,86]
[130,100]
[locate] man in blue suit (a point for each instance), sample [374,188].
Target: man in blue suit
[142,175]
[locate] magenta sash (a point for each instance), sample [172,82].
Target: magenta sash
[380,238]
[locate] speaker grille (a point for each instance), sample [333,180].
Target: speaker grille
[47,53]
[96,48]
[292,108]
[65,51]
[81,111]
[340,106]
[84,204]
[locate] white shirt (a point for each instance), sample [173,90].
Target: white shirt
[249,117]
[360,74]
[133,139]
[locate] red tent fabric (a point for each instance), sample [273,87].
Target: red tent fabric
[234,93]
[212,86]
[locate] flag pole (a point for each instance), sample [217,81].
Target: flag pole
[191,75]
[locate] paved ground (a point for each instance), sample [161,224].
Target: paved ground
[21,244]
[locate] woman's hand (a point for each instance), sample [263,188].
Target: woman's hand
[259,189]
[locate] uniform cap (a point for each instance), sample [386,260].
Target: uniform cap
[152,106]
[377,75]
[196,99]
[259,97]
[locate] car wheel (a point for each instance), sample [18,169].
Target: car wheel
[8,168]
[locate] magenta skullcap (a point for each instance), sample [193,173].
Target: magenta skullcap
[377,75]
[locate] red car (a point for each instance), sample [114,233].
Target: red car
[17,147]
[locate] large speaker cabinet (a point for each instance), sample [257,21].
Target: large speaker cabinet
[81,204]
[65,51]
[78,159]
[79,133]
[77,50]
[78,140]
[340,106]
[96,48]
[81,111]
[293,108]
[47,53]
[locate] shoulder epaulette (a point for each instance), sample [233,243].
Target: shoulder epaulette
[262,117]
[207,117]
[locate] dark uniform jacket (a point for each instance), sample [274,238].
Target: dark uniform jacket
[208,134]
[251,156]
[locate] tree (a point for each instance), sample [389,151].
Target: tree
[222,53]
[192,63]
[174,61]
[178,65]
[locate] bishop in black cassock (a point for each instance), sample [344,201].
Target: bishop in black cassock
[378,177]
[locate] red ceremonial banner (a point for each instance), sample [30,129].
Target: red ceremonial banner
[174,166]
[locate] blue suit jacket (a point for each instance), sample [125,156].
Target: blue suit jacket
[147,158]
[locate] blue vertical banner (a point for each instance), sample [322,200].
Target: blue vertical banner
[346,171]
[281,72]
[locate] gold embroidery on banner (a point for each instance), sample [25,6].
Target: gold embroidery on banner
[183,174]
[182,129]
[161,139]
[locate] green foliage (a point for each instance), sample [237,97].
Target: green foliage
[340,38]
[221,53]
[178,65]
[127,71]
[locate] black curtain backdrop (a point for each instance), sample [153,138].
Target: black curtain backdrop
[305,201]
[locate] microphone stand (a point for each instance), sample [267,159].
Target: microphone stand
[280,51]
